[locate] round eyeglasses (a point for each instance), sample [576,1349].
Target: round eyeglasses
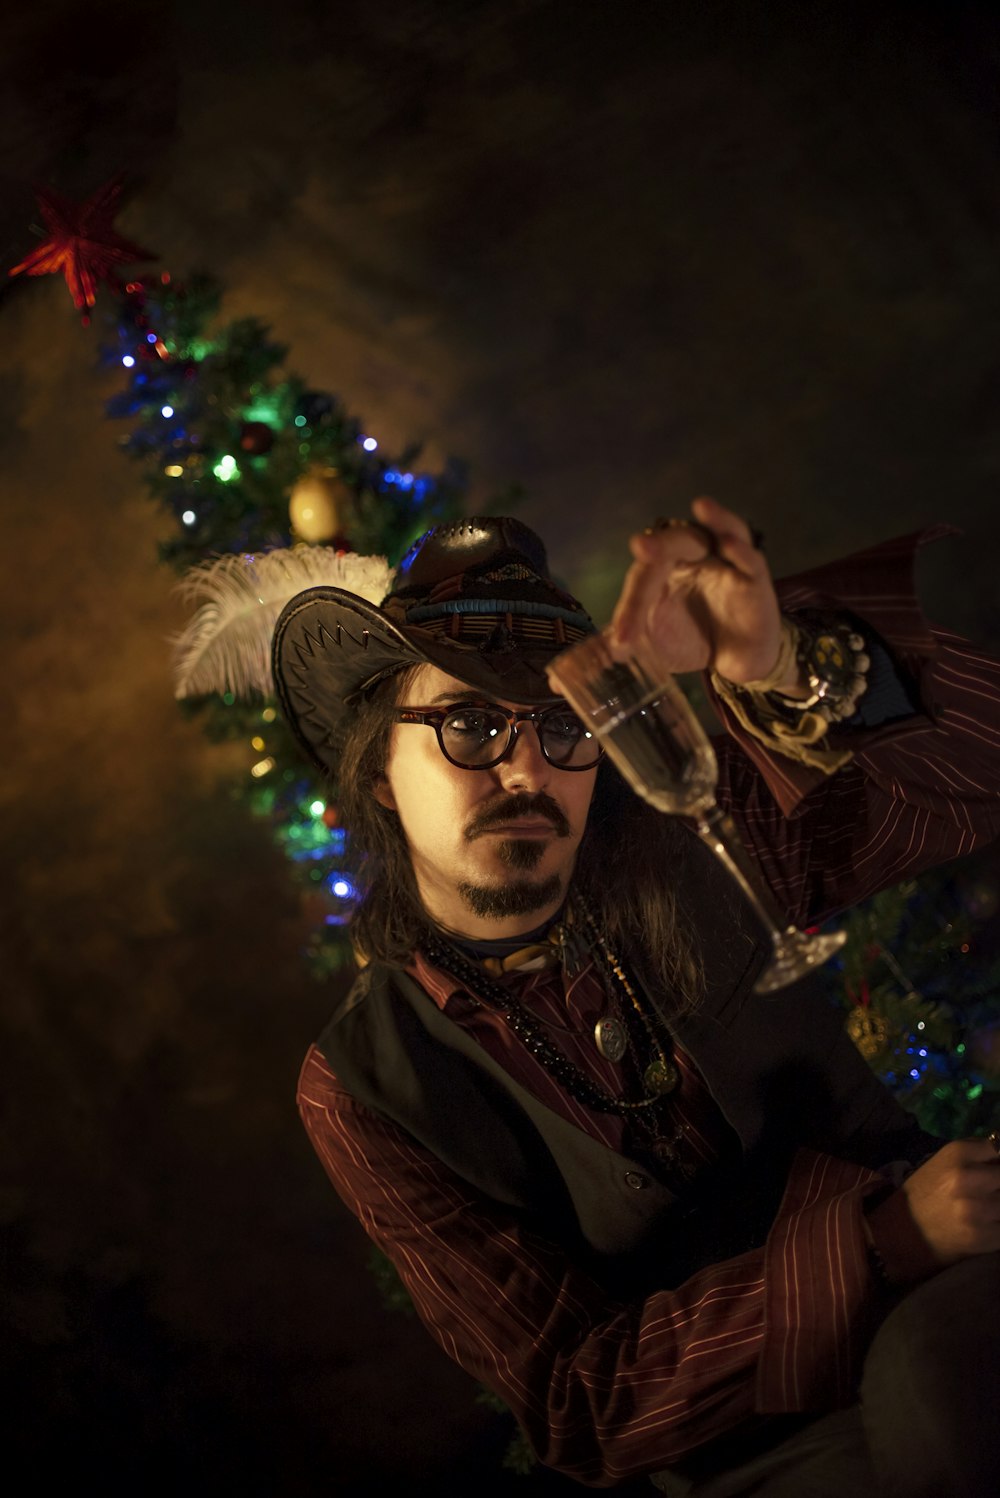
[479,735]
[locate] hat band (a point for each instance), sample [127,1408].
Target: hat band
[519,607]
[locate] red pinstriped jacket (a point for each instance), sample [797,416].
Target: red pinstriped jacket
[608,1386]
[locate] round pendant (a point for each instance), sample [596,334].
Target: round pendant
[661,1077]
[611,1039]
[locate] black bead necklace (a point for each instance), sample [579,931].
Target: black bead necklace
[660,1077]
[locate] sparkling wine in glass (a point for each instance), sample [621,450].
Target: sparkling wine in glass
[644,722]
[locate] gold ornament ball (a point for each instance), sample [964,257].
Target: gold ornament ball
[318,506]
[868,1031]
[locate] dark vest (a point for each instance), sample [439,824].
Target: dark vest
[779,1066]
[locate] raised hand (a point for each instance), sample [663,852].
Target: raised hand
[699,596]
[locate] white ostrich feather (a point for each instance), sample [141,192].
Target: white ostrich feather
[227,645]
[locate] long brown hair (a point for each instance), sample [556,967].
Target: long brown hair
[637,912]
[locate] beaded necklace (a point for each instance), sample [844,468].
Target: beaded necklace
[660,1076]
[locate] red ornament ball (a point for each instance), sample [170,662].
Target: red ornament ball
[256,438]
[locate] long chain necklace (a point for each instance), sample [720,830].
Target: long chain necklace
[660,1077]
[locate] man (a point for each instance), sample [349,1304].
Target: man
[679,1228]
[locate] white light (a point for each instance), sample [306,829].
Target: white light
[341,889]
[262,767]
[369,444]
[166,411]
[318,808]
[128,361]
[189,517]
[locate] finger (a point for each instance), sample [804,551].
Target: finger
[720,520]
[981,1180]
[641,587]
[662,543]
[744,557]
[973,1151]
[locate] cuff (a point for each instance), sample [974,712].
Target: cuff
[821,1297]
[877,587]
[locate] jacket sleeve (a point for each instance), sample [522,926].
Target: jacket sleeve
[918,792]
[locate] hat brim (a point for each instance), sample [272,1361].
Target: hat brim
[330,645]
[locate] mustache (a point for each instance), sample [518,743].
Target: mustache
[504,808]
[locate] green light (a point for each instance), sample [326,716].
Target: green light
[300,421]
[974,1092]
[960,1050]
[317,808]
[262,410]
[226,469]
[228,698]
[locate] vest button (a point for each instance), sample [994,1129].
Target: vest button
[636,1180]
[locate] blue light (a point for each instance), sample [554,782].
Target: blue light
[342,889]
[167,411]
[128,361]
[915,1074]
[406,480]
[369,444]
[150,337]
[921,1053]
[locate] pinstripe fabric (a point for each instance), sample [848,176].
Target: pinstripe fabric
[608,1390]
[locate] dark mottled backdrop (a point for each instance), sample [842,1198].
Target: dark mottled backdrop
[621,254]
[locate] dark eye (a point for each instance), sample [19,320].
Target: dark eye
[563,726]
[468,726]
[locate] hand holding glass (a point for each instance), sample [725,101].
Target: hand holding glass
[652,734]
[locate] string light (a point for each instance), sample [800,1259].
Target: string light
[369,444]
[226,469]
[167,411]
[127,360]
[189,517]
[263,766]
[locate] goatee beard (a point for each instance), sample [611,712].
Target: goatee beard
[516,897]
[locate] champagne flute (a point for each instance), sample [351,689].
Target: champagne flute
[652,735]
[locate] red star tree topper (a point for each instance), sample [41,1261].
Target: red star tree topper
[83,244]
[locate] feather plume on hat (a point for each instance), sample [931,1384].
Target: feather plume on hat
[227,645]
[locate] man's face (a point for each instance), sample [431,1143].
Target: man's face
[492,850]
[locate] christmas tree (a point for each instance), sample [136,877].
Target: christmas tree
[247,461]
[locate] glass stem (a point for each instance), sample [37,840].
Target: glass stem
[716,828]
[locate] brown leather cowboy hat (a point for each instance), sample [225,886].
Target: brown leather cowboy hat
[474,598]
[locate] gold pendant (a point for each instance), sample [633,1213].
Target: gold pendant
[660,1077]
[611,1039]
